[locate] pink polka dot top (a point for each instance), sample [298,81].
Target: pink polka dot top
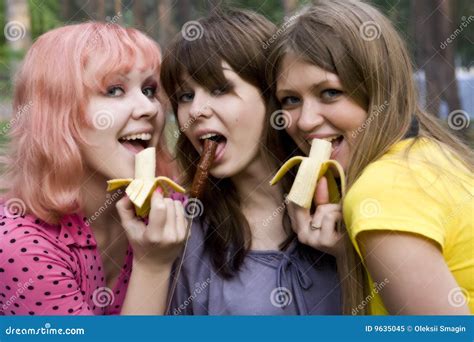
[55,269]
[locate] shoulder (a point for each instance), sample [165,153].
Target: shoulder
[404,191]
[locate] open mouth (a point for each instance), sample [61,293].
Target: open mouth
[219,138]
[136,142]
[335,141]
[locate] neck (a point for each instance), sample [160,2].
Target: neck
[99,205]
[263,205]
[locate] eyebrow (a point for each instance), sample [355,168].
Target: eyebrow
[313,86]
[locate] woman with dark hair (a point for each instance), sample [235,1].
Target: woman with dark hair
[243,257]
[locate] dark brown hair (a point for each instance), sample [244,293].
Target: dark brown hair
[237,37]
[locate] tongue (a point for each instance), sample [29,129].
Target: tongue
[335,143]
[133,146]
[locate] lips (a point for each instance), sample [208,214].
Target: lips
[335,140]
[215,136]
[137,141]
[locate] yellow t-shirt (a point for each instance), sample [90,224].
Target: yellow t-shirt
[425,193]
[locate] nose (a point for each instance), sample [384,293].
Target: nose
[144,106]
[200,105]
[310,116]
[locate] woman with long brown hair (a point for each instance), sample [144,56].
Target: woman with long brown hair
[243,256]
[342,72]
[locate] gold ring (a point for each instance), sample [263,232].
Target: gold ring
[313,227]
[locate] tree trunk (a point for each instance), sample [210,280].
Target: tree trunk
[17,31]
[138,15]
[289,6]
[165,21]
[433,26]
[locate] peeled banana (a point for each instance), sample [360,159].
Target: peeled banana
[140,189]
[312,168]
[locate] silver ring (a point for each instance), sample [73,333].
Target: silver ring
[313,227]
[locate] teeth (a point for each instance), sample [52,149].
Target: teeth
[207,136]
[141,136]
[330,139]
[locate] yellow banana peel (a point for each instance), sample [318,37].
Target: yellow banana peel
[312,168]
[140,189]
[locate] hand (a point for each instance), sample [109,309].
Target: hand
[325,219]
[158,243]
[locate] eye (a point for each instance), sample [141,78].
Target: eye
[149,91]
[115,91]
[331,94]
[289,101]
[221,90]
[185,97]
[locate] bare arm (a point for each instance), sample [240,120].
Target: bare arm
[419,281]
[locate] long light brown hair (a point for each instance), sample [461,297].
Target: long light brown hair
[355,41]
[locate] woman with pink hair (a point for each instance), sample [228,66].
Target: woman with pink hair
[86,101]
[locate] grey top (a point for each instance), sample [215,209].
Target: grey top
[268,283]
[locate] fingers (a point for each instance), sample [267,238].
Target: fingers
[321,195]
[157,216]
[181,222]
[299,216]
[126,210]
[321,211]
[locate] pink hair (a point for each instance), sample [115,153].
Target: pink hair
[44,166]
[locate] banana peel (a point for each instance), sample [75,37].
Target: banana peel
[141,188]
[312,168]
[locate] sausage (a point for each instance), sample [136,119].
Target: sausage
[202,172]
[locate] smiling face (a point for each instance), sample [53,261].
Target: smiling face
[233,115]
[318,106]
[125,118]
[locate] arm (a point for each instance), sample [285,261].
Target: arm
[419,281]
[155,247]
[36,279]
